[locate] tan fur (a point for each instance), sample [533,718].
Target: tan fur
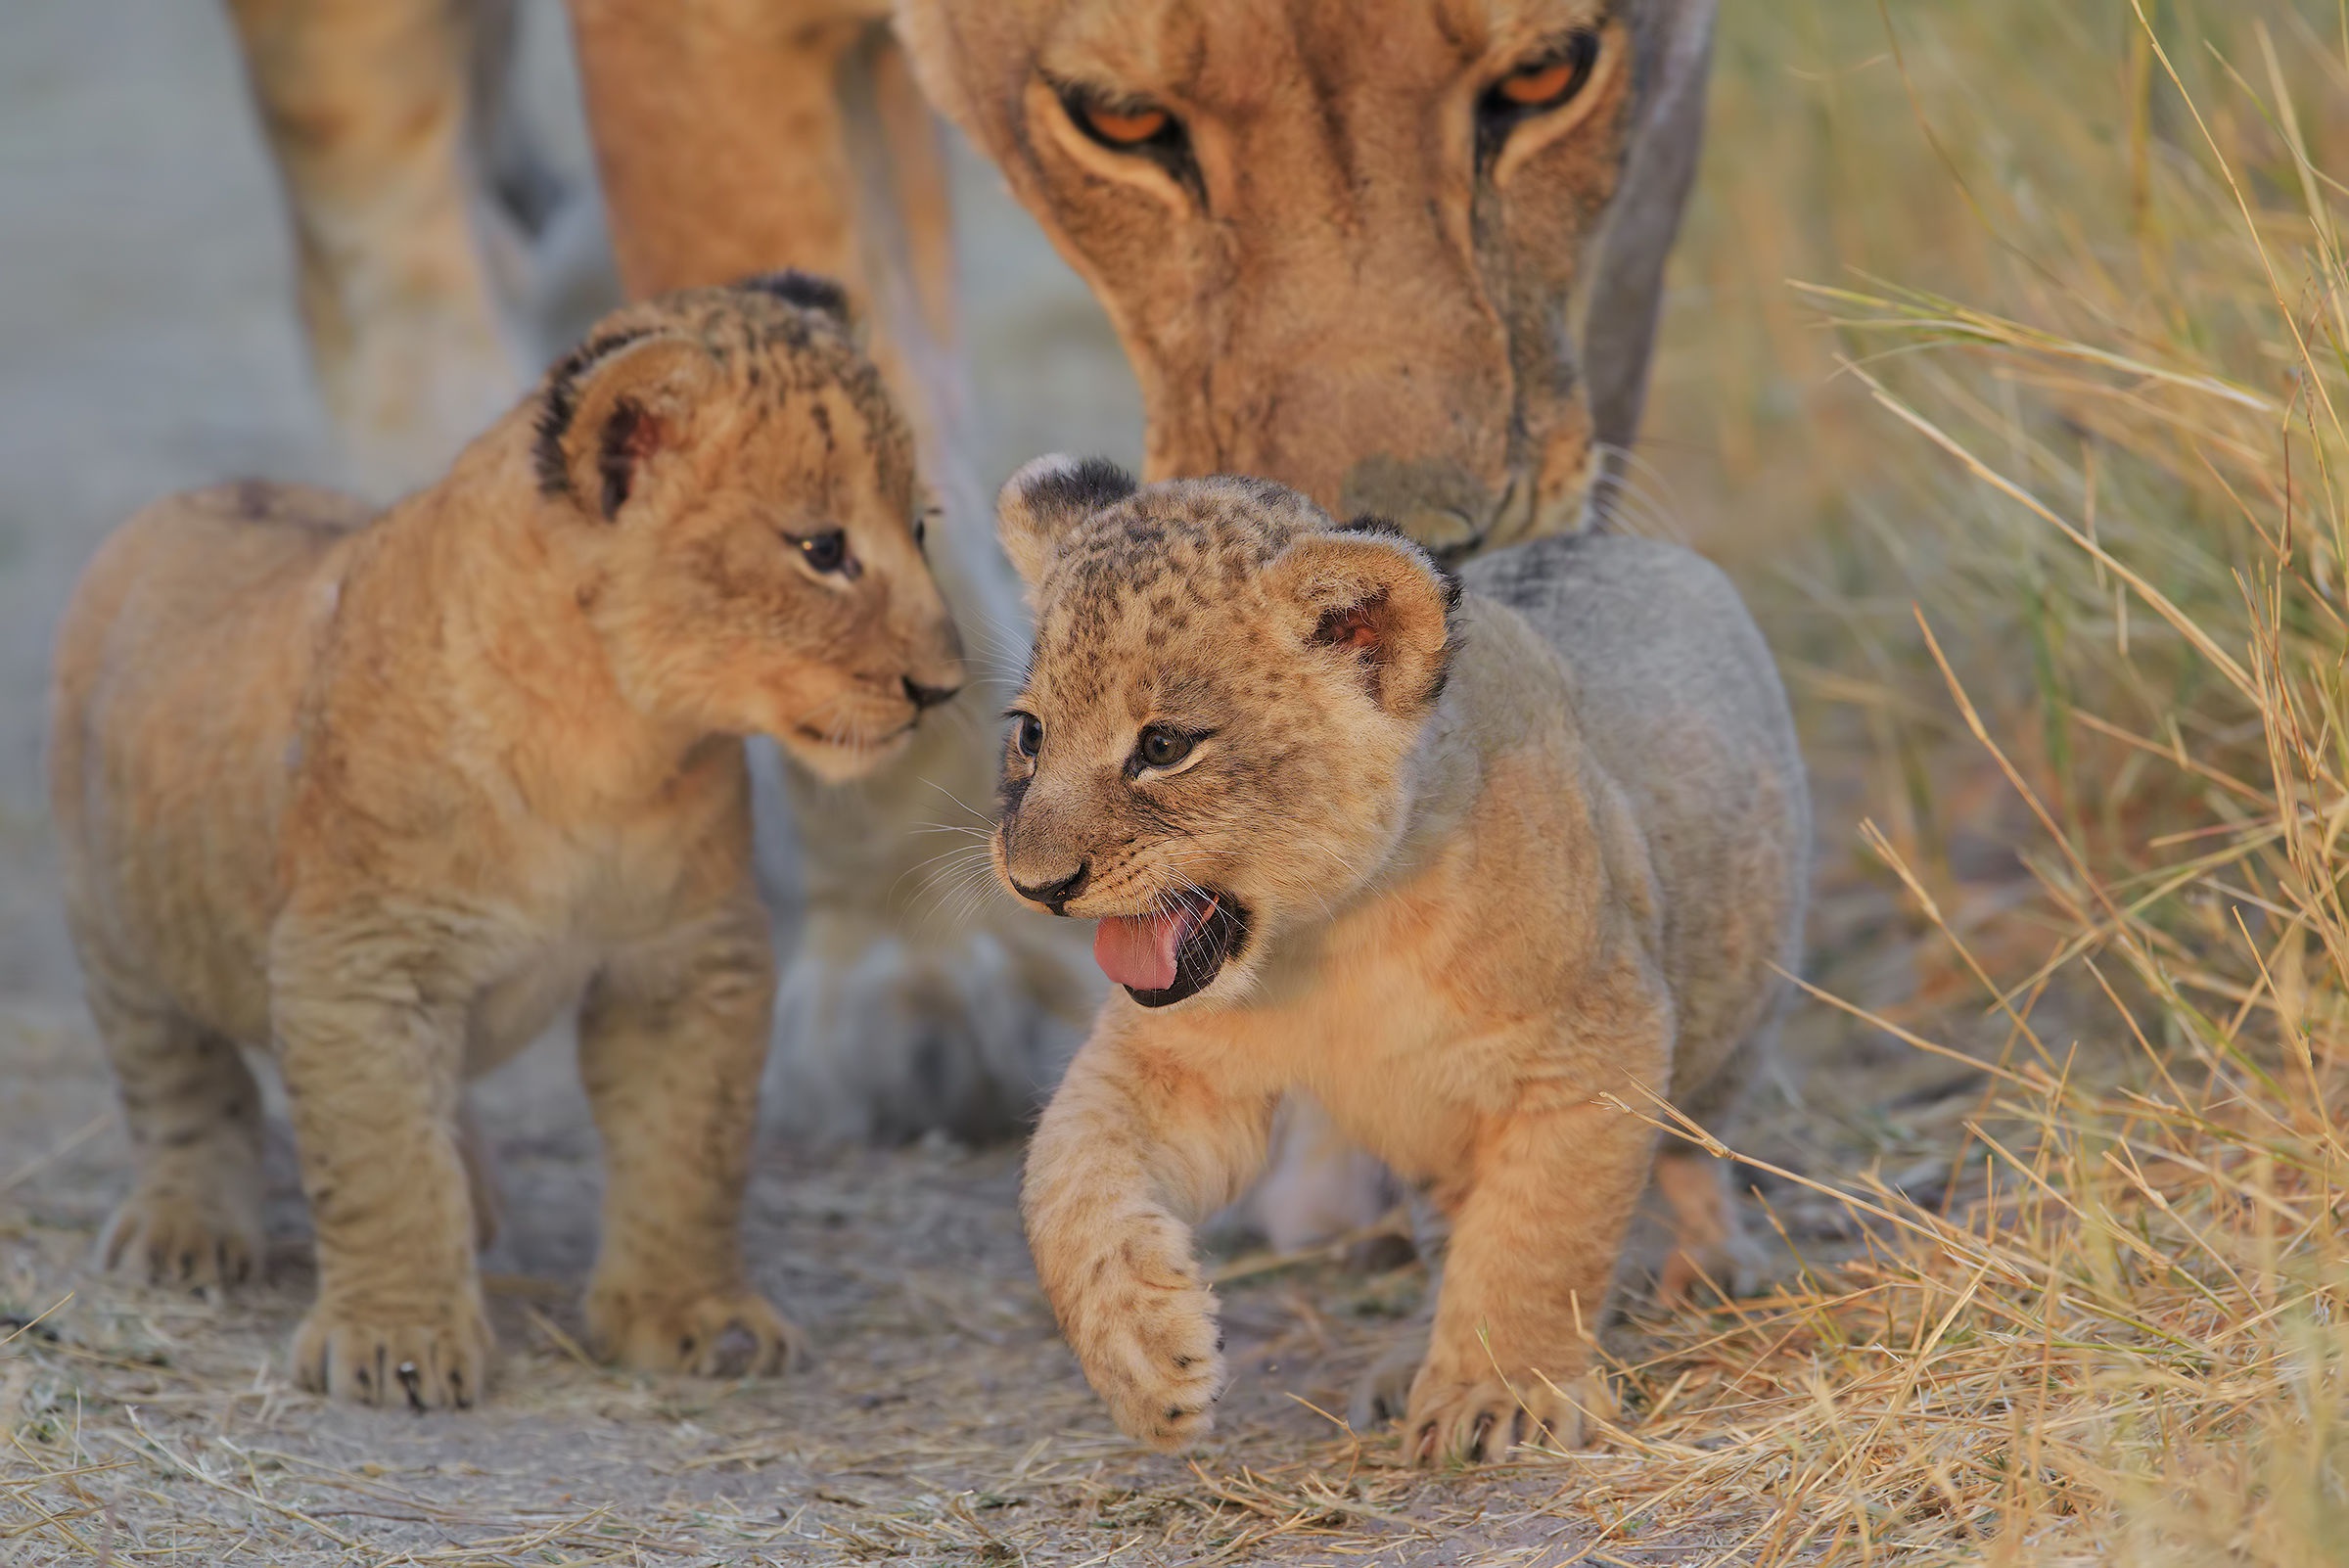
[383,797]
[1471,917]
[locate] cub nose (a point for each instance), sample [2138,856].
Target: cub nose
[922,696]
[1054,894]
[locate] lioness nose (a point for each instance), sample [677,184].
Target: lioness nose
[922,696]
[1052,895]
[1436,501]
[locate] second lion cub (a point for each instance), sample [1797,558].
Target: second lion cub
[1458,865]
[382,796]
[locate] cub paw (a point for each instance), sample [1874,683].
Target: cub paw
[368,1359]
[728,1333]
[169,1238]
[1474,1422]
[1155,1356]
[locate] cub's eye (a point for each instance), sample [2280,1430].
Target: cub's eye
[826,552]
[921,531]
[1028,734]
[1547,81]
[1160,747]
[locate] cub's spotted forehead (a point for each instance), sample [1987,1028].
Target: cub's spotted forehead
[1141,595]
[1194,541]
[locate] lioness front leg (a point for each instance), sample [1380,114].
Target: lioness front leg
[1133,1151]
[1531,1262]
[369,1035]
[364,106]
[671,1044]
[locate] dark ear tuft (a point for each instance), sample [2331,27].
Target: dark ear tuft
[1085,486]
[805,290]
[609,406]
[1040,504]
[562,403]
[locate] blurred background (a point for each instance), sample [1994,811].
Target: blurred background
[2003,365]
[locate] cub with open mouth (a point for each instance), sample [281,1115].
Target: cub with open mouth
[1483,864]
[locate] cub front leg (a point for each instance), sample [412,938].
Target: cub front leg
[1535,1238]
[370,1041]
[672,1042]
[1135,1149]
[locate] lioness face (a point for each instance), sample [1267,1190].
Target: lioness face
[1212,737]
[750,544]
[1344,239]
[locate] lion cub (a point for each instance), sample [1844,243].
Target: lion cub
[1456,865]
[383,797]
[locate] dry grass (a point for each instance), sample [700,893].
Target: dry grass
[2078,585]
[2050,532]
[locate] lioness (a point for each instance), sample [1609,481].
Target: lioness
[1461,864]
[385,796]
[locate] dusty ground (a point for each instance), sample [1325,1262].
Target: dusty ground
[146,343]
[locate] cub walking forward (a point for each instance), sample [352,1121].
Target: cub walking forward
[1456,865]
[383,797]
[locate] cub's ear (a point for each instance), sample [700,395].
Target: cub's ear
[612,407]
[1040,504]
[1373,596]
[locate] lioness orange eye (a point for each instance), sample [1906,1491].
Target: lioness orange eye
[1124,127]
[1537,87]
[1548,81]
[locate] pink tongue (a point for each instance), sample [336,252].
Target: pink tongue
[1138,950]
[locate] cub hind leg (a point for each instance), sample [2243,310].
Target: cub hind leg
[194,1113]
[1710,1250]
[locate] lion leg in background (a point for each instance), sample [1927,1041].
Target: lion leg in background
[738,136]
[364,104]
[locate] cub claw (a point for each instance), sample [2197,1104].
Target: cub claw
[1488,1420]
[356,1356]
[167,1240]
[729,1333]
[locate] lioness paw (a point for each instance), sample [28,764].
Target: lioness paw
[431,1366]
[728,1334]
[1475,1422]
[169,1238]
